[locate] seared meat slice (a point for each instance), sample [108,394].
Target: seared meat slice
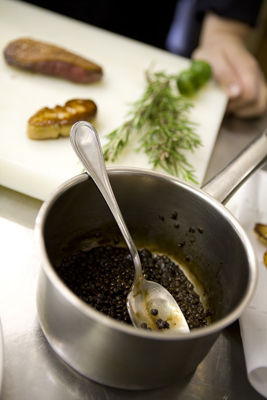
[49,59]
[54,122]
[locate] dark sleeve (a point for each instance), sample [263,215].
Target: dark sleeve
[246,11]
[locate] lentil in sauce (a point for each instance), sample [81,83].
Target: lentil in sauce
[103,275]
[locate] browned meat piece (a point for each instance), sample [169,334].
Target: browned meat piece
[261,232]
[48,59]
[54,122]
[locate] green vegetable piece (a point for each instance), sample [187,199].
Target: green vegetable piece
[188,82]
[202,71]
[160,120]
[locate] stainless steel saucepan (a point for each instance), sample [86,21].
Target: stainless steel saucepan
[221,260]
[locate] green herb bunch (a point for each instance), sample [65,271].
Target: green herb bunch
[161,120]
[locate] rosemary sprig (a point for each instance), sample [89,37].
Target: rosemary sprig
[161,120]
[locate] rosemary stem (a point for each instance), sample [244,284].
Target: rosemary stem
[161,120]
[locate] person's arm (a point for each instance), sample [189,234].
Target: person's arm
[223,44]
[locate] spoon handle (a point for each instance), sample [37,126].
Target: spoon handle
[86,143]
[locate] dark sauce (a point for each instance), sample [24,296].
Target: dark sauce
[103,275]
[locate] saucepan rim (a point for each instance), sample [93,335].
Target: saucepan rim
[89,311]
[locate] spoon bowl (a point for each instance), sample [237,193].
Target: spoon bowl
[149,304]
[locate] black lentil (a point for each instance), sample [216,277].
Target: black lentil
[103,275]
[161,324]
[174,215]
[154,311]
[144,325]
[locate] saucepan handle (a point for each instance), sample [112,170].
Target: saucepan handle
[227,181]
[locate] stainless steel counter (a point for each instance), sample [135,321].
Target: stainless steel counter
[32,370]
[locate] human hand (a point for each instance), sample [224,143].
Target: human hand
[222,44]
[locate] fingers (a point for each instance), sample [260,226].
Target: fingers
[254,108]
[223,72]
[239,74]
[253,99]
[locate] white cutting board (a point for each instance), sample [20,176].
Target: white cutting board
[36,168]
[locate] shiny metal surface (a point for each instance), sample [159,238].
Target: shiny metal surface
[226,183]
[113,353]
[144,294]
[31,368]
[86,144]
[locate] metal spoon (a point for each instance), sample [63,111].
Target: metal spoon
[146,298]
